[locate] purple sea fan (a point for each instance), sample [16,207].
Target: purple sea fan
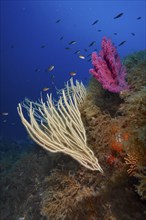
[108,69]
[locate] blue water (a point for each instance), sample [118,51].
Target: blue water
[30,43]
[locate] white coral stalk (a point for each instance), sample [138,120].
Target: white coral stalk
[61,128]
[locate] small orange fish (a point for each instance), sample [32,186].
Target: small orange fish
[81,57]
[72,73]
[45,89]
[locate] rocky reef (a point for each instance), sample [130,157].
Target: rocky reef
[38,185]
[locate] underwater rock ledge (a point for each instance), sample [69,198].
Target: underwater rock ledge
[44,186]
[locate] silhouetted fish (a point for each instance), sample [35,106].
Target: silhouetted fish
[72,42]
[99,30]
[61,38]
[58,20]
[89,55]
[95,22]
[92,43]
[50,68]
[139,18]
[123,42]
[115,33]
[5,113]
[43,46]
[67,48]
[133,34]
[119,15]
[76,52]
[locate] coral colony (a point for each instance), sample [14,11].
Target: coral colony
[108,69]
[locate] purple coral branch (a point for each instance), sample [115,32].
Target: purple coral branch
[108,69]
